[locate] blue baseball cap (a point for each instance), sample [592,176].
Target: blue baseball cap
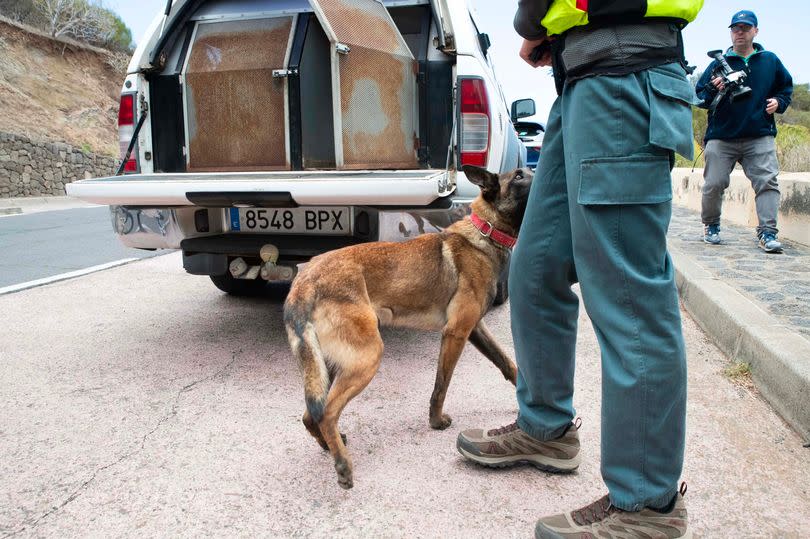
[744,17]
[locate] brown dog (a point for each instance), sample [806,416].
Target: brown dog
[443,281]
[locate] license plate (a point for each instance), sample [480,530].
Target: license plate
[335,221]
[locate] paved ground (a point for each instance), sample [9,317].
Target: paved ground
[141,402]
[41,244]
[777,283]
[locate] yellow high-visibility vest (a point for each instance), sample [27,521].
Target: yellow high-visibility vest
[566,14]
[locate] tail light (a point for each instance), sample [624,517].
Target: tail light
[126,129]
[474,122]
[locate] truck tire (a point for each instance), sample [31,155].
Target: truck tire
[239,287]
[251,288]
[501,291]
[502,288]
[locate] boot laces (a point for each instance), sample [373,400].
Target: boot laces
[595,512]
[512,427]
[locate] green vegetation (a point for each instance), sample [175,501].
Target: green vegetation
[792,138]
[83,20]
[121,35]
[740,375]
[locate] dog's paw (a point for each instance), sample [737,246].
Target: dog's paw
[344,472]
[441,423]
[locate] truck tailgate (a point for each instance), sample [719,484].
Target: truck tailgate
[372,188]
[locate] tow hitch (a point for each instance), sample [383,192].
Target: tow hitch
[268,270]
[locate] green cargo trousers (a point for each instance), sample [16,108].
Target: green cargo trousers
[598,214]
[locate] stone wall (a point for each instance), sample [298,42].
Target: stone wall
[39,168]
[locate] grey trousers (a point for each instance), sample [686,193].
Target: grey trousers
[758,159]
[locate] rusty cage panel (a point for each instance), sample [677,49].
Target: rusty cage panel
[236,110]
[374,86]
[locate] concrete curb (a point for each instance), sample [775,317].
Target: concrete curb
[779,357]
[16,206]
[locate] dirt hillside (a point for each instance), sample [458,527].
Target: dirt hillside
[57,91]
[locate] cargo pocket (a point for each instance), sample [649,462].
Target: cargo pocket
[671,100]
[637,179]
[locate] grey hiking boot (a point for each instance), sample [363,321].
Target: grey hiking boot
[507,446]
[769,243]
[711,234]
[600,519]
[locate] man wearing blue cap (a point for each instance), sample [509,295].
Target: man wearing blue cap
[742,130]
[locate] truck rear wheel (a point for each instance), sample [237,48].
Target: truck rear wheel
[502,288]
[238,287]
[501,291]
[251,288]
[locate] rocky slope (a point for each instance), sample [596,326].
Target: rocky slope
[57,91]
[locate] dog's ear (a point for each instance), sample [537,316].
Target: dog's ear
[488,182]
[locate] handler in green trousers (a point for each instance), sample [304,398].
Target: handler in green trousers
[598,214]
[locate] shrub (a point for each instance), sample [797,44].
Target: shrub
[796,159]
[118,61]
[85,20]
[793,148]
[697,161]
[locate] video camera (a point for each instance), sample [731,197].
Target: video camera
[733,81]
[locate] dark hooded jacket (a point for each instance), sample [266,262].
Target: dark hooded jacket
[746,118]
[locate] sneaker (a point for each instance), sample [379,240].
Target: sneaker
[769,243]
[507,446]
[711,234]
[601,519]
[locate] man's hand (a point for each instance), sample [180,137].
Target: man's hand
[526,52]
[771,105]
[718,83]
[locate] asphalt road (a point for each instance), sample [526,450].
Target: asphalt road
[140,401]
[49,243]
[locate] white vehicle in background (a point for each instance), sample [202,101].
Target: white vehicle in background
[265,132]
[529,132]
[531,135]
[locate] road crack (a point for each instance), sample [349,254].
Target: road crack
[24,526]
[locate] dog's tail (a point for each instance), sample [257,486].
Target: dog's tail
[307,350]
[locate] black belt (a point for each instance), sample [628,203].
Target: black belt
[615,50]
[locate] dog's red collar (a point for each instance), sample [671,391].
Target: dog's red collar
[488,231]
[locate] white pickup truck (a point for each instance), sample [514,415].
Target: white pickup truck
[256,134]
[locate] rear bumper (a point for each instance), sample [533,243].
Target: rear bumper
[192,211]
[206,230]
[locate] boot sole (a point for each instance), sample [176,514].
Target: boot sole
[548,534]
[546,464]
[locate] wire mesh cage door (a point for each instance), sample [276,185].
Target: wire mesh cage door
[236,111]
[373,86]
